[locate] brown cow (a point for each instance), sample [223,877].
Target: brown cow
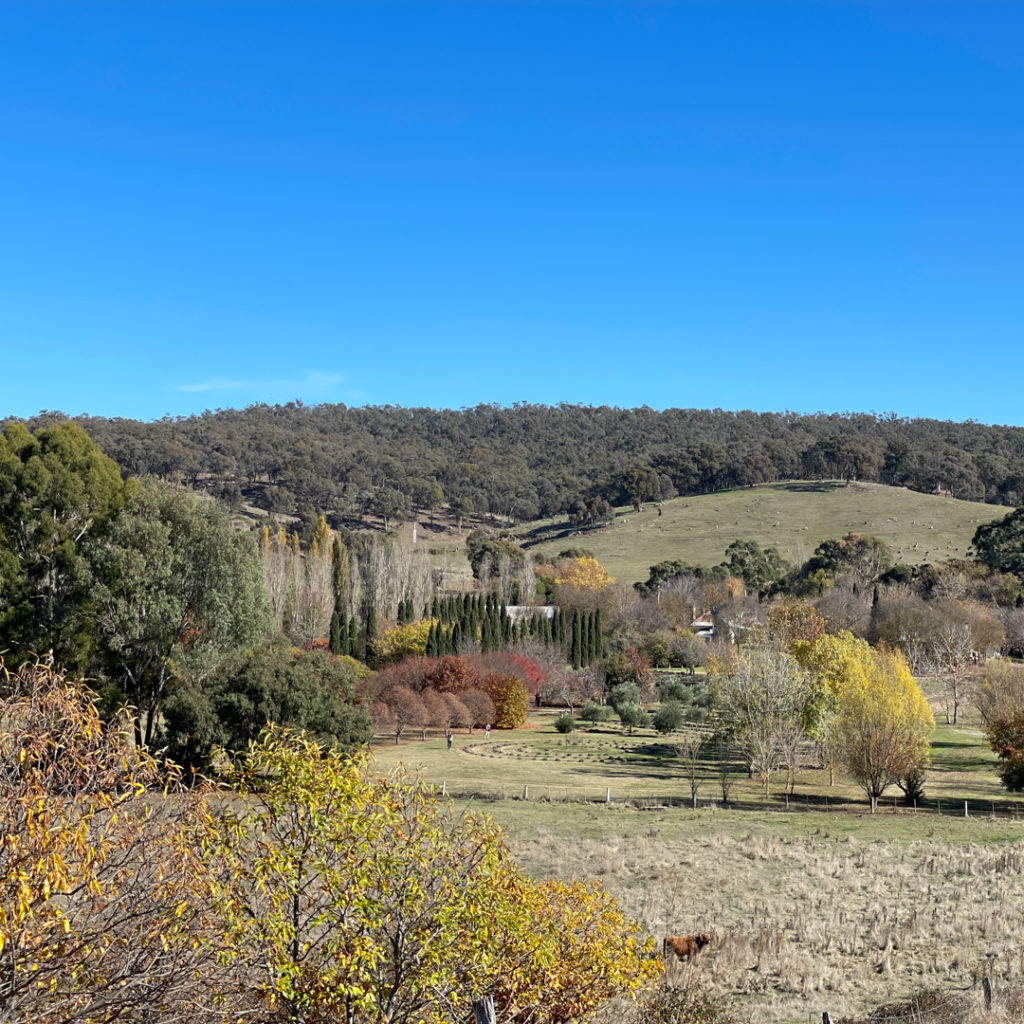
[685,946]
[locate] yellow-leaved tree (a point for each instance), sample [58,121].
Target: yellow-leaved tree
[579,577]
[883,725]
[839,662]
[103,897]
[358,897]
[401,641]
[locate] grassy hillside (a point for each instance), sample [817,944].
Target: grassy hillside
[794,517]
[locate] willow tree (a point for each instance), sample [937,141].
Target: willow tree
[883,724]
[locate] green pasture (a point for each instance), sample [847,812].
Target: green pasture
[794,517]
[598,780]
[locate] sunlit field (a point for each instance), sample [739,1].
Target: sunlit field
[815,906]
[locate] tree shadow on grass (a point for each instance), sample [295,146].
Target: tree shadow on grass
[813,486]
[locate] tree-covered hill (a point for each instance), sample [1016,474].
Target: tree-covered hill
[528,461]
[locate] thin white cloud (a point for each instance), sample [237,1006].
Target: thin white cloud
[314,382]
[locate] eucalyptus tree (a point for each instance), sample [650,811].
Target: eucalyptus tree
[176,588]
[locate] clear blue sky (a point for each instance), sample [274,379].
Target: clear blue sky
[769,205]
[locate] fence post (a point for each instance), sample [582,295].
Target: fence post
[444,789]
[965,808]
[826,1018]
[608,795]
[483,1011]
[526,792]
[986,986]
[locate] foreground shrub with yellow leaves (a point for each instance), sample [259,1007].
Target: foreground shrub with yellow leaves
[359,897]
[102,893]
[306,889]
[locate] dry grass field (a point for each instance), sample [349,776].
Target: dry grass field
[794,516]
[810,910]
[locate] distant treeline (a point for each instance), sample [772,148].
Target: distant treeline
[526,461]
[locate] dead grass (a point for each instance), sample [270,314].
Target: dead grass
[804,924]
[794,516]
[810,911]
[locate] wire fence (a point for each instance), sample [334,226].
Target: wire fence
[541,792]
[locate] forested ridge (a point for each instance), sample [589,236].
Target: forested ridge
[526,461]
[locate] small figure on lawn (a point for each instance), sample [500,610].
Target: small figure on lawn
[449,737]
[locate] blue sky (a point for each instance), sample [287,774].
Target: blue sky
[806,206]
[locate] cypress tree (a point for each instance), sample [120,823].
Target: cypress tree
[598,636]
[584,637]
[335,641]
[577,652]
[353,637]
[456,638]
[371,632]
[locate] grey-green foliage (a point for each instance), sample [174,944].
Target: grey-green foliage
[758,567]
[687,650]
[693,698]
[633,716]
[565,723]
[669,717]
[624,693]
[176,589]
[594,712]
